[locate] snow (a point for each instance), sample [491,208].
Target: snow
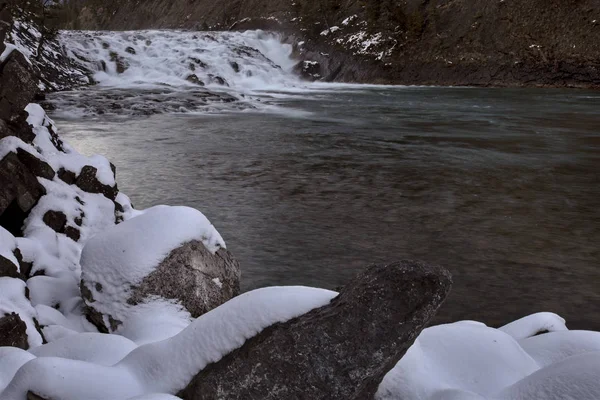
[160,367]
[101,349]
[349,20]
[534,324]
[8,243]
[12,299]
[333,29]
[7,51]
[11,359]
[575,378]
[462,357]
[556,346]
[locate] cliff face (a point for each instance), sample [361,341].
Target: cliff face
[448,42]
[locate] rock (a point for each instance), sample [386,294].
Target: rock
[13,332]
[19,192]
[55,220]
[88,182]
[339,351]
[211,278]
[24,266]
[5,23]
[8,269]
[119,62]
[66,176]
[193,78]
[235,66]
[33,396]
[199,62]
[168,254]
[309,70]
[35,165]
[18,85]
[218,80]
[196,278]
[73,233]
[130,50]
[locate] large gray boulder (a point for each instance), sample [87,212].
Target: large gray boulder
[340,351]
[168,255]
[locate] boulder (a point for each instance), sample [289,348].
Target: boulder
[13,332]
[19,192]
[18,85]
[166,255]
[339,351]
[192,269]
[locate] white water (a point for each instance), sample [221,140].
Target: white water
[176,71]
[169,57]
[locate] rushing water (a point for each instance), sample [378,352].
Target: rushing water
[309,184]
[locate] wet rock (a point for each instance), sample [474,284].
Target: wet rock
[119,61]
[55,220]
[105,45]
[339,351]
[130,50]
[218,80]
[88,182]
[193,78]
[235,66]
[199,62]
[13,332]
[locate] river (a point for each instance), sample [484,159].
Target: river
[310,183]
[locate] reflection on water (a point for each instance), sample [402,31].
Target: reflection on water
[500,186]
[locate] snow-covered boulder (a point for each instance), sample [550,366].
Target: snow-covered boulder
[166,258]
[339,351]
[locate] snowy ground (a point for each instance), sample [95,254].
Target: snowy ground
[152,359]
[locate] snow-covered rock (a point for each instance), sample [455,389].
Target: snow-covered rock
[162,367]
[168,257]
[338,352]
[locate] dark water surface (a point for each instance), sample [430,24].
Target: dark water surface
[501,186]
